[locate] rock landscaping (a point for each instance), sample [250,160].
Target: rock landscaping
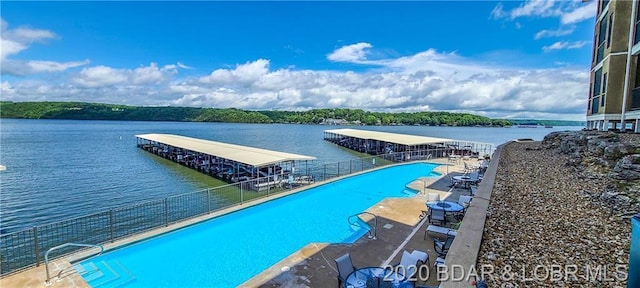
[560,211]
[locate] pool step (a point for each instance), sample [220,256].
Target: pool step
[408,192]
[105,274]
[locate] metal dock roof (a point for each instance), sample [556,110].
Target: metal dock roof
[403,139]
[256,157]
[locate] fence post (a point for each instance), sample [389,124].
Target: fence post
[111,224]
[208,200]
[36,250]
[166,212]
[324,175]
[362,160]
[241,194]
[338,169]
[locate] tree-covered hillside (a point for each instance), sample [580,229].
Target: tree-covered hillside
[97,111]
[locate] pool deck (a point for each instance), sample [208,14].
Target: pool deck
[400,227]
[399,221]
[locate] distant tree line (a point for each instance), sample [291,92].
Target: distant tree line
[97,111]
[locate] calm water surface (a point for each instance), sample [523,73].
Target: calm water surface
[60,169]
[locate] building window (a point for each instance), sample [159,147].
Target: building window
[637,34]
[602,32]
[594,105]
[609,30]
[597,83]
[604,89]
[604,4]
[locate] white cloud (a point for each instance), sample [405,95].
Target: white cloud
[100,76]
[6,89]
[350,53]
[9,47]
[568,12]
[14,41]
[429,80]
[540,8]
[20,68]
[498,12]
[580,14]
[28,35]
[183,66]
[555,33]
[243,73]
[564,45]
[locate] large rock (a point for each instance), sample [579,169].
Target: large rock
[568,142]
[628,168]
[618,150]
[596,144]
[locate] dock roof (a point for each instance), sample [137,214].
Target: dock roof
[403,139]
[256,157]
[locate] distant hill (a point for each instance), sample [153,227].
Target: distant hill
[547,122]
[337,116]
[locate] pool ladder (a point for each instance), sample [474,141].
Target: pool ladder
[46,257]
[372,232]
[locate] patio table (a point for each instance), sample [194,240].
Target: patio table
[447,206]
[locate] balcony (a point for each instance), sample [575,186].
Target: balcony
[635,98]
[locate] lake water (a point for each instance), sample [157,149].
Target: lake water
[60,169]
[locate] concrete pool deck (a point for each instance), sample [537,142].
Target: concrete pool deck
[312,265]
[400,227]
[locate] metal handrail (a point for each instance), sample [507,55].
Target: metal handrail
[375,224]
[46,256]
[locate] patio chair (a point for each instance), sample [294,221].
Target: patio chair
[421,257]
[464,201]
[454,182]
[442,247]
[409,265]
[437,215]
[473,190]
[433,197]
[345,267]
[475,177]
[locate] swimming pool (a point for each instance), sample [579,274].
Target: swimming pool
[228,250]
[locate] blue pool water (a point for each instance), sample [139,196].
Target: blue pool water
[228,250]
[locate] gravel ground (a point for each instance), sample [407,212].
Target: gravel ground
[543,231]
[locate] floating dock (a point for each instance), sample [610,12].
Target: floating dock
[229,162]
[405,146]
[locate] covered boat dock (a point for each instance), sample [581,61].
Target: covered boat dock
[229,162]
[404,146]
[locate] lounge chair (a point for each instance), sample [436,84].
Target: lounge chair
[442,247]
[439,232]
[345,267]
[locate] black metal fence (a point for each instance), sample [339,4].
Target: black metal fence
[26,248]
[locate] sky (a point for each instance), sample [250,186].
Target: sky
[508,59]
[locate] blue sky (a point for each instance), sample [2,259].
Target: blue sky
[499,59]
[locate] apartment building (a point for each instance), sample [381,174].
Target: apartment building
[616,42]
